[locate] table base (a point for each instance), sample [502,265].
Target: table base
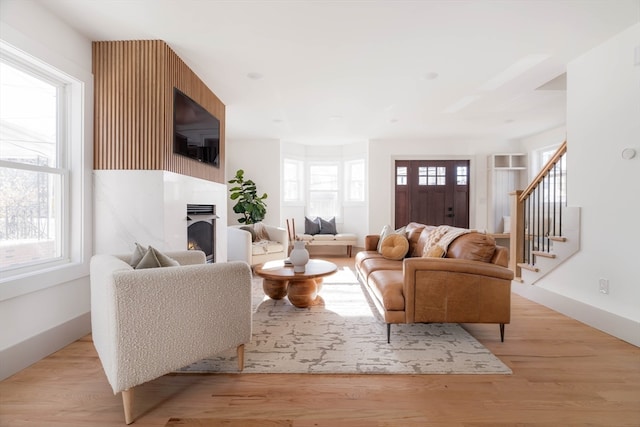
[301,293]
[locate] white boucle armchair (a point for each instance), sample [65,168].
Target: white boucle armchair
[147,323]
[240,246]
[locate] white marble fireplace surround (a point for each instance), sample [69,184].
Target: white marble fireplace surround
[150,207]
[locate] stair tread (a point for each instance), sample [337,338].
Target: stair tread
[544,254]
[529,267]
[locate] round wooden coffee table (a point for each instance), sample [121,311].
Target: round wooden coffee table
[301,288]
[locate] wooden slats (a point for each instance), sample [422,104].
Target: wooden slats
[133,108]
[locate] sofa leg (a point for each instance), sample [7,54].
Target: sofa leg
[127,402]
[502,332]
[240,353]
[388,333]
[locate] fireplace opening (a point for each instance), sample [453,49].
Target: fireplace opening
[201,229]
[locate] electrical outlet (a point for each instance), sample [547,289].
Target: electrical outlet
[604,286]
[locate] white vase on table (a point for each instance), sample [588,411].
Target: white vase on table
[299,256]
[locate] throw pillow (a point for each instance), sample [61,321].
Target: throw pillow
[394,246]
[250,230]
[328,227]
[311,226]
[261,231]
[435,251]
[472,246]
[153,258]
[387,230]
[137,255]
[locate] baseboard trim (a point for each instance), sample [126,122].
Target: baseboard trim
[620,327]
[19,356]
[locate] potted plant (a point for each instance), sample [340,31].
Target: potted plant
[248,203]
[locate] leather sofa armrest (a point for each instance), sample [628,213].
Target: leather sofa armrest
[458,290]
[454,265]
[371,242]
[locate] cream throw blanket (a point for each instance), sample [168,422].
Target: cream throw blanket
[442,236]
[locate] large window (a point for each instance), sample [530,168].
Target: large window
[323,190]
[34,205]
[323,186]
[293,182]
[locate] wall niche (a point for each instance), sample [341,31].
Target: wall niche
[133,108]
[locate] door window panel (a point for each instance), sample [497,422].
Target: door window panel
[462,175]
[401,175]
[432,175]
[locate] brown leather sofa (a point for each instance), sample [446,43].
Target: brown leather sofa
[471,284]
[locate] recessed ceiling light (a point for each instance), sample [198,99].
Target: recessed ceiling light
[431,75]
[277,120]
[255,75]
[393,121]
[335,118]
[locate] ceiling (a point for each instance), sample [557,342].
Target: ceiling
[327,72]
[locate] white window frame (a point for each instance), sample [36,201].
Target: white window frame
[72,163]
[337,191]
[299,167]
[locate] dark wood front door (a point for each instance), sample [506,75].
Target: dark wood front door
[434,192]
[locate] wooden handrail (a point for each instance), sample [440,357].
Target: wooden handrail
[544,172]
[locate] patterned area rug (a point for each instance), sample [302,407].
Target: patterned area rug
[343,334]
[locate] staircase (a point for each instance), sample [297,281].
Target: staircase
[546,230]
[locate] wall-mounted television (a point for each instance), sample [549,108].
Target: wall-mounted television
[196,131]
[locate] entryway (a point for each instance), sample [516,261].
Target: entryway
[434,192]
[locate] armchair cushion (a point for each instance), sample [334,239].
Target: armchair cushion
[153,258]
[137,255]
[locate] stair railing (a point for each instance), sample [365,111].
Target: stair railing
[536,214]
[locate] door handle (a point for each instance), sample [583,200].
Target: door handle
[450,214]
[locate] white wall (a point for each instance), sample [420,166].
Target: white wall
[550,138]
[40,322]
[150,207]
[260,160]
[603,118]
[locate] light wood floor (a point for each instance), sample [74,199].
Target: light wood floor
[564,374]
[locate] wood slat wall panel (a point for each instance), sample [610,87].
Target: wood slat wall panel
[133,111]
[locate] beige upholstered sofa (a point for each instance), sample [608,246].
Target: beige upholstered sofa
[149,322]
[470,284]
[241,247]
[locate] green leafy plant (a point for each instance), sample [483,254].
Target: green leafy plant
[248,203]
